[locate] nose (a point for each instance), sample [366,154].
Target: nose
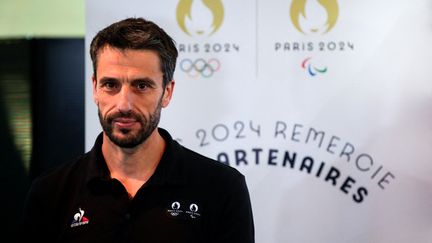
[124,103]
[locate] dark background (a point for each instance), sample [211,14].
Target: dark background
[53,69]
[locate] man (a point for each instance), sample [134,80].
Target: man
[137,184]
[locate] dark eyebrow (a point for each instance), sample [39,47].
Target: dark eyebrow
[108,79]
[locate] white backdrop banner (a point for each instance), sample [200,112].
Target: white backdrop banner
[324,105]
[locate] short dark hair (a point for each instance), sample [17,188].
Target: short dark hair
[137,34]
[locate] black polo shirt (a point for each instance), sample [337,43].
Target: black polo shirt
[189,198]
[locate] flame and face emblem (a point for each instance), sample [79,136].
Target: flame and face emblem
[199,17]
[305,15]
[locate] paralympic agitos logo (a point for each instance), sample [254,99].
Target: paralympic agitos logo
[325,14]
[313,18]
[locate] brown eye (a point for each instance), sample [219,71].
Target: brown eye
[109,85]
[142,86]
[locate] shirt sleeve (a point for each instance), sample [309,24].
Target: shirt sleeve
[35,223]
[237,223]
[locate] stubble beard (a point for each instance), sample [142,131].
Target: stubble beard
[131,138]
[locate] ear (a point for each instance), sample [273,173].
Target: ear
[95,95]
[169,89]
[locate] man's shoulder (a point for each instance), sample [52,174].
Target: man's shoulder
[199,165]
[59,175]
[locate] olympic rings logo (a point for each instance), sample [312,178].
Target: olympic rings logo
[200,67]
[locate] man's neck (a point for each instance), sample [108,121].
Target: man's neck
[133,166]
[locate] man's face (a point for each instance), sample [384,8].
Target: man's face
[129,94]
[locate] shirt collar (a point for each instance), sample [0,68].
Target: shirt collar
[168,171]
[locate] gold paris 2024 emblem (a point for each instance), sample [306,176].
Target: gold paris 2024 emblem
[200,17]
[314,16]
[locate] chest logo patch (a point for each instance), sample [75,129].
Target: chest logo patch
[79,219]
[175,209]
[184,210]
[193,211]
